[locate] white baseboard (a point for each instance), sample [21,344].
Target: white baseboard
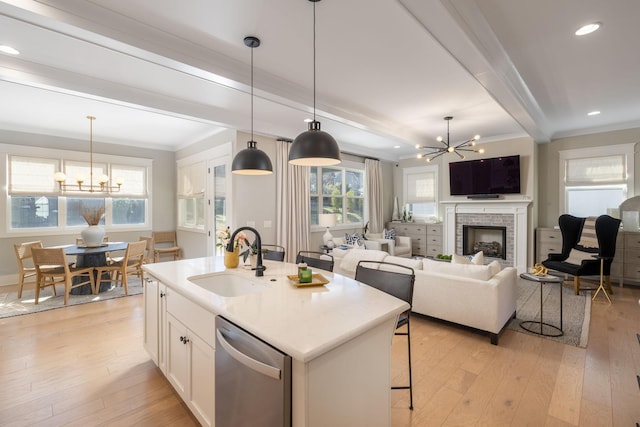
[8,280]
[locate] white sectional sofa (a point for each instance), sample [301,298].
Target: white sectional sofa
[482,297]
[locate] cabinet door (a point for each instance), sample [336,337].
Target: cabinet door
[151,319]
[177,362]
[202,376]
[162,326]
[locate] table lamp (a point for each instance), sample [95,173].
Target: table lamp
[327,220]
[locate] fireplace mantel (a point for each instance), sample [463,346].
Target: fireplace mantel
[519,209]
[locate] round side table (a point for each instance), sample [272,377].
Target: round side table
[528,325]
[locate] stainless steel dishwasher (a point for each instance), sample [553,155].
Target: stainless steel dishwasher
[253,380]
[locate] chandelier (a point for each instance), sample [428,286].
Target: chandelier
[102,180]
[447,147]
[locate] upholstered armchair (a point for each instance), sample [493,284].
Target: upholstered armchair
[400,246]
[584,245]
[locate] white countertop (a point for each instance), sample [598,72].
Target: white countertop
[303,322]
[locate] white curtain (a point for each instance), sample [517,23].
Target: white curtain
[374,195]
[292,201]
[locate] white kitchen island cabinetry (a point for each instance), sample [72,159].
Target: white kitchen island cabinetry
[338,335]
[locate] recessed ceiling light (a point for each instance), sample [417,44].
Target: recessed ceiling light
[593,113]
[9,50]
[396,146]
[587,29]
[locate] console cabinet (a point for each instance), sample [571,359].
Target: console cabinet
[548,240]
[426,239]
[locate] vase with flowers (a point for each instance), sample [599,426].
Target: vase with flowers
[231,259]
[93,235]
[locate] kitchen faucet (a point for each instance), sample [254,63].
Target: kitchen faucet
[259,267]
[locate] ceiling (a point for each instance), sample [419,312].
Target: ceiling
[164,74]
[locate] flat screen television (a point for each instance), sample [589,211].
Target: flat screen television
[494,176]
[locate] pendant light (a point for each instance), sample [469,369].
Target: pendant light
[314,147]
[251,160]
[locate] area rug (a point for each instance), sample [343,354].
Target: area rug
[576,310]
[11,305]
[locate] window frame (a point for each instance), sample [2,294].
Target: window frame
[565,156]
[409,199]
[58,156]
[344,166]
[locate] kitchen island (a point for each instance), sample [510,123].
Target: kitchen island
[338,335]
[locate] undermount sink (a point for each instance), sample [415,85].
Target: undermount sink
[227,285]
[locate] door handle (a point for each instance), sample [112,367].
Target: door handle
[247,361]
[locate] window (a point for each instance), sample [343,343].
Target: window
[338,190]
[595,179]
[35,201]
[191,192]
[421,191]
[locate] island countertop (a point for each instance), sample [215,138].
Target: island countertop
[303,322]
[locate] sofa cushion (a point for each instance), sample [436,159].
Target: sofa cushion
[416,264]
[477,259]
[350,260]
[495,267]
[478,272]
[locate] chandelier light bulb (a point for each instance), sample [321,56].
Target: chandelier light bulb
[119,181]
[477,137]
[79,178]
[451,149]
[419,156]
[439,139]
[59,177]
[481,150]
[429,159]
[103,179]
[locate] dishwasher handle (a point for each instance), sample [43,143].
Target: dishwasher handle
[249,362]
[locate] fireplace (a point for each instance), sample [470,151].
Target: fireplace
[490,240]
[511,214]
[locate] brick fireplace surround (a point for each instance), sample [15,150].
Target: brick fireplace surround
[500,213]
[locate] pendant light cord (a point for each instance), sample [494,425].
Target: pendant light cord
[314,61]
[252,93]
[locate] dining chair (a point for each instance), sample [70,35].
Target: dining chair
[168,245]
[26,268]
[273,252]
[52,269]
[315,259]
[131,264]
[148,253]
[396,280]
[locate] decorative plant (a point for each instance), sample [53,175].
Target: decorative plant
[92,215]
[251,249]
[225,235]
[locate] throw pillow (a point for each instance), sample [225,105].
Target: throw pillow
[478,259]
[352,239]
[460,259]
[389,234]
[576,257]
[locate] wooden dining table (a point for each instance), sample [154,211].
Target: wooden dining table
[93,257]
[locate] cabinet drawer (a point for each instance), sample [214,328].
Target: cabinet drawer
[631,240]
[435,230]
[632,256]
[194,317]
[432,251]
[544,249]
[632,271]
[549,235]
[434,240]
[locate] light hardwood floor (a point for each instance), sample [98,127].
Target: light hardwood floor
[85,366]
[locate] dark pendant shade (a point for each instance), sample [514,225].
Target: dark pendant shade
[314,148]
[251,161]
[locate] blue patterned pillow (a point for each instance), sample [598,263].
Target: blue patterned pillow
[389,234]
[352,239]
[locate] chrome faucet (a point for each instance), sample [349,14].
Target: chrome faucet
[259,267]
